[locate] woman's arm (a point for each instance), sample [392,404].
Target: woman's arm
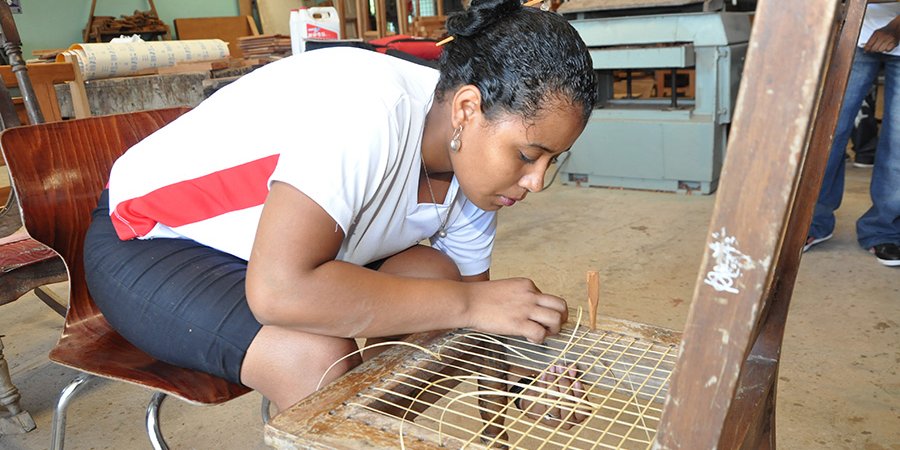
[484,276]
[294,281]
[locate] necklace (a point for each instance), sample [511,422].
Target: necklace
[442,231]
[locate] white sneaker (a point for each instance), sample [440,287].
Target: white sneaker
[811,241]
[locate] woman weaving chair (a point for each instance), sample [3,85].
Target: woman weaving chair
[256,247]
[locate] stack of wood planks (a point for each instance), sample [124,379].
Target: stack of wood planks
[266,46]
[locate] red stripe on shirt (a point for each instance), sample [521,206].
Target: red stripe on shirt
[195,200]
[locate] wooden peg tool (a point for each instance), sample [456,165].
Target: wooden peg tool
[593,282]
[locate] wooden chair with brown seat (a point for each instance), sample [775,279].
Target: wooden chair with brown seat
[712,386]
[58,170]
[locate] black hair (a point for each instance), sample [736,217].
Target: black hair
[518,57]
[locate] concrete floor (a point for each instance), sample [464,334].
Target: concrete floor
[839,387]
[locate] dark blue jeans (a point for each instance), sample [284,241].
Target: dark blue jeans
[881,223]
[177,300]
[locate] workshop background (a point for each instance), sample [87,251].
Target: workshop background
[632,201]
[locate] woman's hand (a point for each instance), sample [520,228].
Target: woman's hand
[515,307]
[553,410]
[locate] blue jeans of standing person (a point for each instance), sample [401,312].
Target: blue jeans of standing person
[881,223]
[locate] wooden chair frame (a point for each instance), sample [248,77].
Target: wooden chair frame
[722,391]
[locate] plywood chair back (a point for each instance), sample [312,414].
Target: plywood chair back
[59,170]
[718,377]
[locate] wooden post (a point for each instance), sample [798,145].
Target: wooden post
[76,87]
[90,23]
[767,150]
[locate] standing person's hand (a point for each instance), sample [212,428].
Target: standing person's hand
[515,307]
[884,39]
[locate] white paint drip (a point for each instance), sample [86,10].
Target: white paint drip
[712,380]
[725,336]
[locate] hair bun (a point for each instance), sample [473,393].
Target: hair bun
[480,15]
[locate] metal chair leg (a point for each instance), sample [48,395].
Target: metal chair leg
[57,433]
[156,437]
[52,300]
[58,429]
[266,416]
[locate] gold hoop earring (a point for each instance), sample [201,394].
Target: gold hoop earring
[455,143]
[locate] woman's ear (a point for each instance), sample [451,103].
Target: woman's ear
[466,105]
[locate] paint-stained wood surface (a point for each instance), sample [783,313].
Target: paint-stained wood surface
[755,386]
[763,210]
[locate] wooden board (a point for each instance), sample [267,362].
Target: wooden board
[228,29]
[573,6]
[245,7]
[275,15]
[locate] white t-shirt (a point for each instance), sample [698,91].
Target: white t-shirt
[877,16]
[342,125]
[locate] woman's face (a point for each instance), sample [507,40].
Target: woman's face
[501,161]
